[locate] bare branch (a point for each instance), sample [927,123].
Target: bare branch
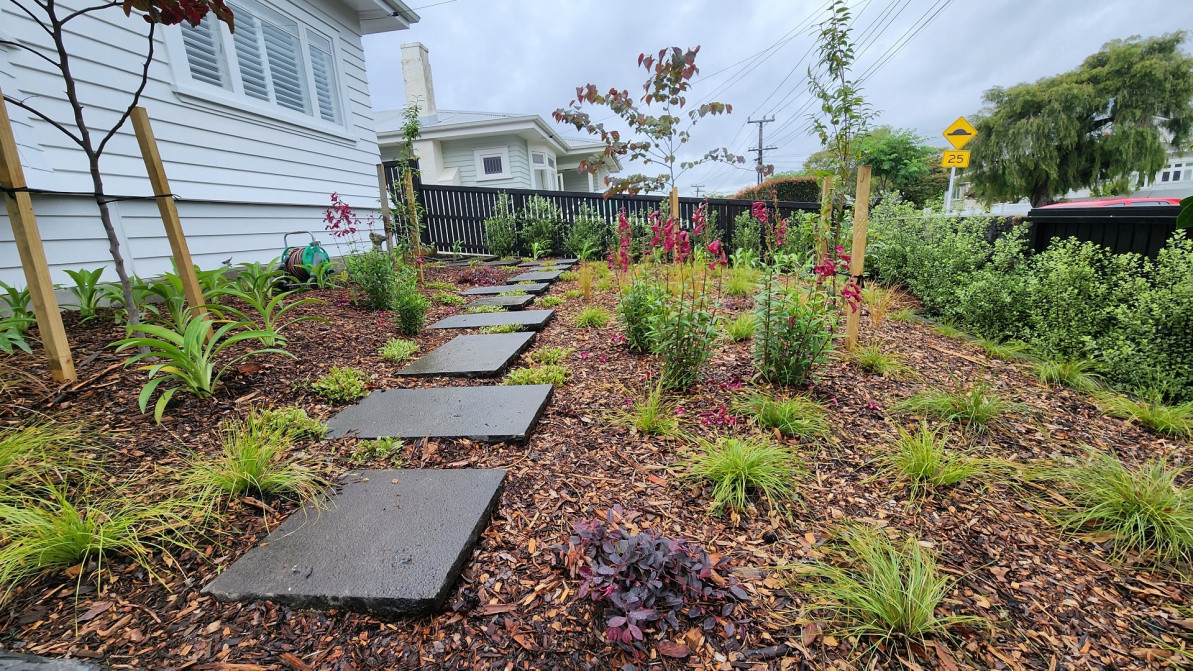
[85,10]
[31,50]
[136,96]
[33,16]
[43,117]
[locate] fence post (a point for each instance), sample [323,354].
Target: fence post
[857,259]
[33,255]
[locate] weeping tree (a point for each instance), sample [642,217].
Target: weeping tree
[59,25]
[1101,123]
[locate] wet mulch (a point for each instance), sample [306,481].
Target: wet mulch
[1049,601]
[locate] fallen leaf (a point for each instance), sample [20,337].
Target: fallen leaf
[95,609]
[673,650]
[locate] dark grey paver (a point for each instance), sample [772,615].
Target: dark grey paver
[544,269]
[507,302]
[11,661]
[478,413]
[541,276]
[536,288]
[527,319]
[527,264]
[483,355]
[388,543]
[503,262]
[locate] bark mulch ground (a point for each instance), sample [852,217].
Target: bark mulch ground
[1047,600]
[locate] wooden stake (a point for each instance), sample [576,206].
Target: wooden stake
[675,203]
[416,244]
[857,260]
[33,255]
[169,212]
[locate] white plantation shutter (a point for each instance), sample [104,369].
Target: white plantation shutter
[324,74]
[204,55]
[287,71]
[247,39]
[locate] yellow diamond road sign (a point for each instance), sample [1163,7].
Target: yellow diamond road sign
[959,132]
[955,158]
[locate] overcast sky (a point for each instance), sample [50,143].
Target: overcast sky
[928,60]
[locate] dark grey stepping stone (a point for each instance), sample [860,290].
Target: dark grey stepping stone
[528,319]
[542,276]
[11,661]
[507,302]
[388,543]
[490,414]
[483,355]
[503,262]
[545,269]
[559,262]
[535,288]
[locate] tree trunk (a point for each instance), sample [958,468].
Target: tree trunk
[105,217]
[1041,195]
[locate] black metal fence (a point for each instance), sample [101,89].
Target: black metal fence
[457,213]
[1140,229]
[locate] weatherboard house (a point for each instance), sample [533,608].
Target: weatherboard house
[484,149]
[256,129]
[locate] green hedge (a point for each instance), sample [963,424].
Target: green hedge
[1129,315]
[800,189]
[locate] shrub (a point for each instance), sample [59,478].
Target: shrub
[1174,420]
[410,306]
[1075,374]
[921,459]
[341,384]
[541,220]
[555,375]
[640,307]
[375,274]
[975,409]
[444,298]
[682,336]
[736,467]
[501,228]
[396,350]
[593,317]
[883,590]
[551,301]
[741,328]
[645,578]
[798,189]
[795,333]
[386,450]
[873,360]
[253,461]
[549,356]
[290,421]
[586,238]
[747,235]
[1145,508]
[502,328]
[796,416]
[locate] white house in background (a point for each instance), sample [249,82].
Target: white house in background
[494,149]
[256,129]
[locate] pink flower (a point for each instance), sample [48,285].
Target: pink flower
[758,209]
[584,355]
[602,358]
[780,232]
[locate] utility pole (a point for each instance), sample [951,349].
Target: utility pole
[760,149]
[697,187]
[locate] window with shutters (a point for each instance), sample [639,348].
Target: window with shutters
[270,58]
[492,163]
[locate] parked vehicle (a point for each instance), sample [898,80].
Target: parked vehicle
[1117,202]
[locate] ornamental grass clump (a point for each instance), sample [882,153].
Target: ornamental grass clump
[797,416]
[871,359]
[882,591]
[1150,411]
[1078,375]
[342,384]
[549,356]
[1145,509]
[253,460]
[920,458]
[28,453]
[396,350]
[646,581]
[649,412]
[741,328]
[738,467]
[593,317]
[975,409]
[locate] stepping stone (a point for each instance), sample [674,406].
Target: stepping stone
[536,288]
[388,543]
[545,269]
[502,262]
[542,276]
[507,302]
[528,319]
[12,661]
[558,262]
[483,355]
[490,414]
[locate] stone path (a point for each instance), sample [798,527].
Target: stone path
[507,302]
[537,288]
[558,262]
[484,355]
[488,414]
[527,319]
[388,543]
[543,276]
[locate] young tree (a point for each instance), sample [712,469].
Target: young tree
[661,137]
[1099,123]
[55,21]
[900,160]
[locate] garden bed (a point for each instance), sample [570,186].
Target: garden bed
[1042,599]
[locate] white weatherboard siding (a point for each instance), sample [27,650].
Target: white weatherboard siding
[246,171]
[574,181]
[460,154]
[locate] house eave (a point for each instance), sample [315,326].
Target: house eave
[383,16]
[530,127]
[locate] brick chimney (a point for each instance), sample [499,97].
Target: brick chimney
[416,76]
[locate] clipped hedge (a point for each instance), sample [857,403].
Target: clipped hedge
[799,189]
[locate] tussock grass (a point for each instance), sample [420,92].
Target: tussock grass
[903,315]
[587,278]
[1144,508]
[740,282]
[879,301]
[1172,420]
[593,317]
[920,459]
[976,409]
[949,330]
[883,591]
[738,467]
[397,350]
[741,328]
[550,356]
[1004,351]
[796,416]
[551,301]
[1075,374]
[871,359]
[252,460]
[556,375]
[649,412]
[28,452]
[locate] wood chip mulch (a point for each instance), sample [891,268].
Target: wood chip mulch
[1048,600]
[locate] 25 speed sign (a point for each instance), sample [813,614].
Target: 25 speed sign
[955,158]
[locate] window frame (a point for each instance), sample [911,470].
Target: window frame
[267,112]
[479,156]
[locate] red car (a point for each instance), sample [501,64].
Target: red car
[1118,202]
